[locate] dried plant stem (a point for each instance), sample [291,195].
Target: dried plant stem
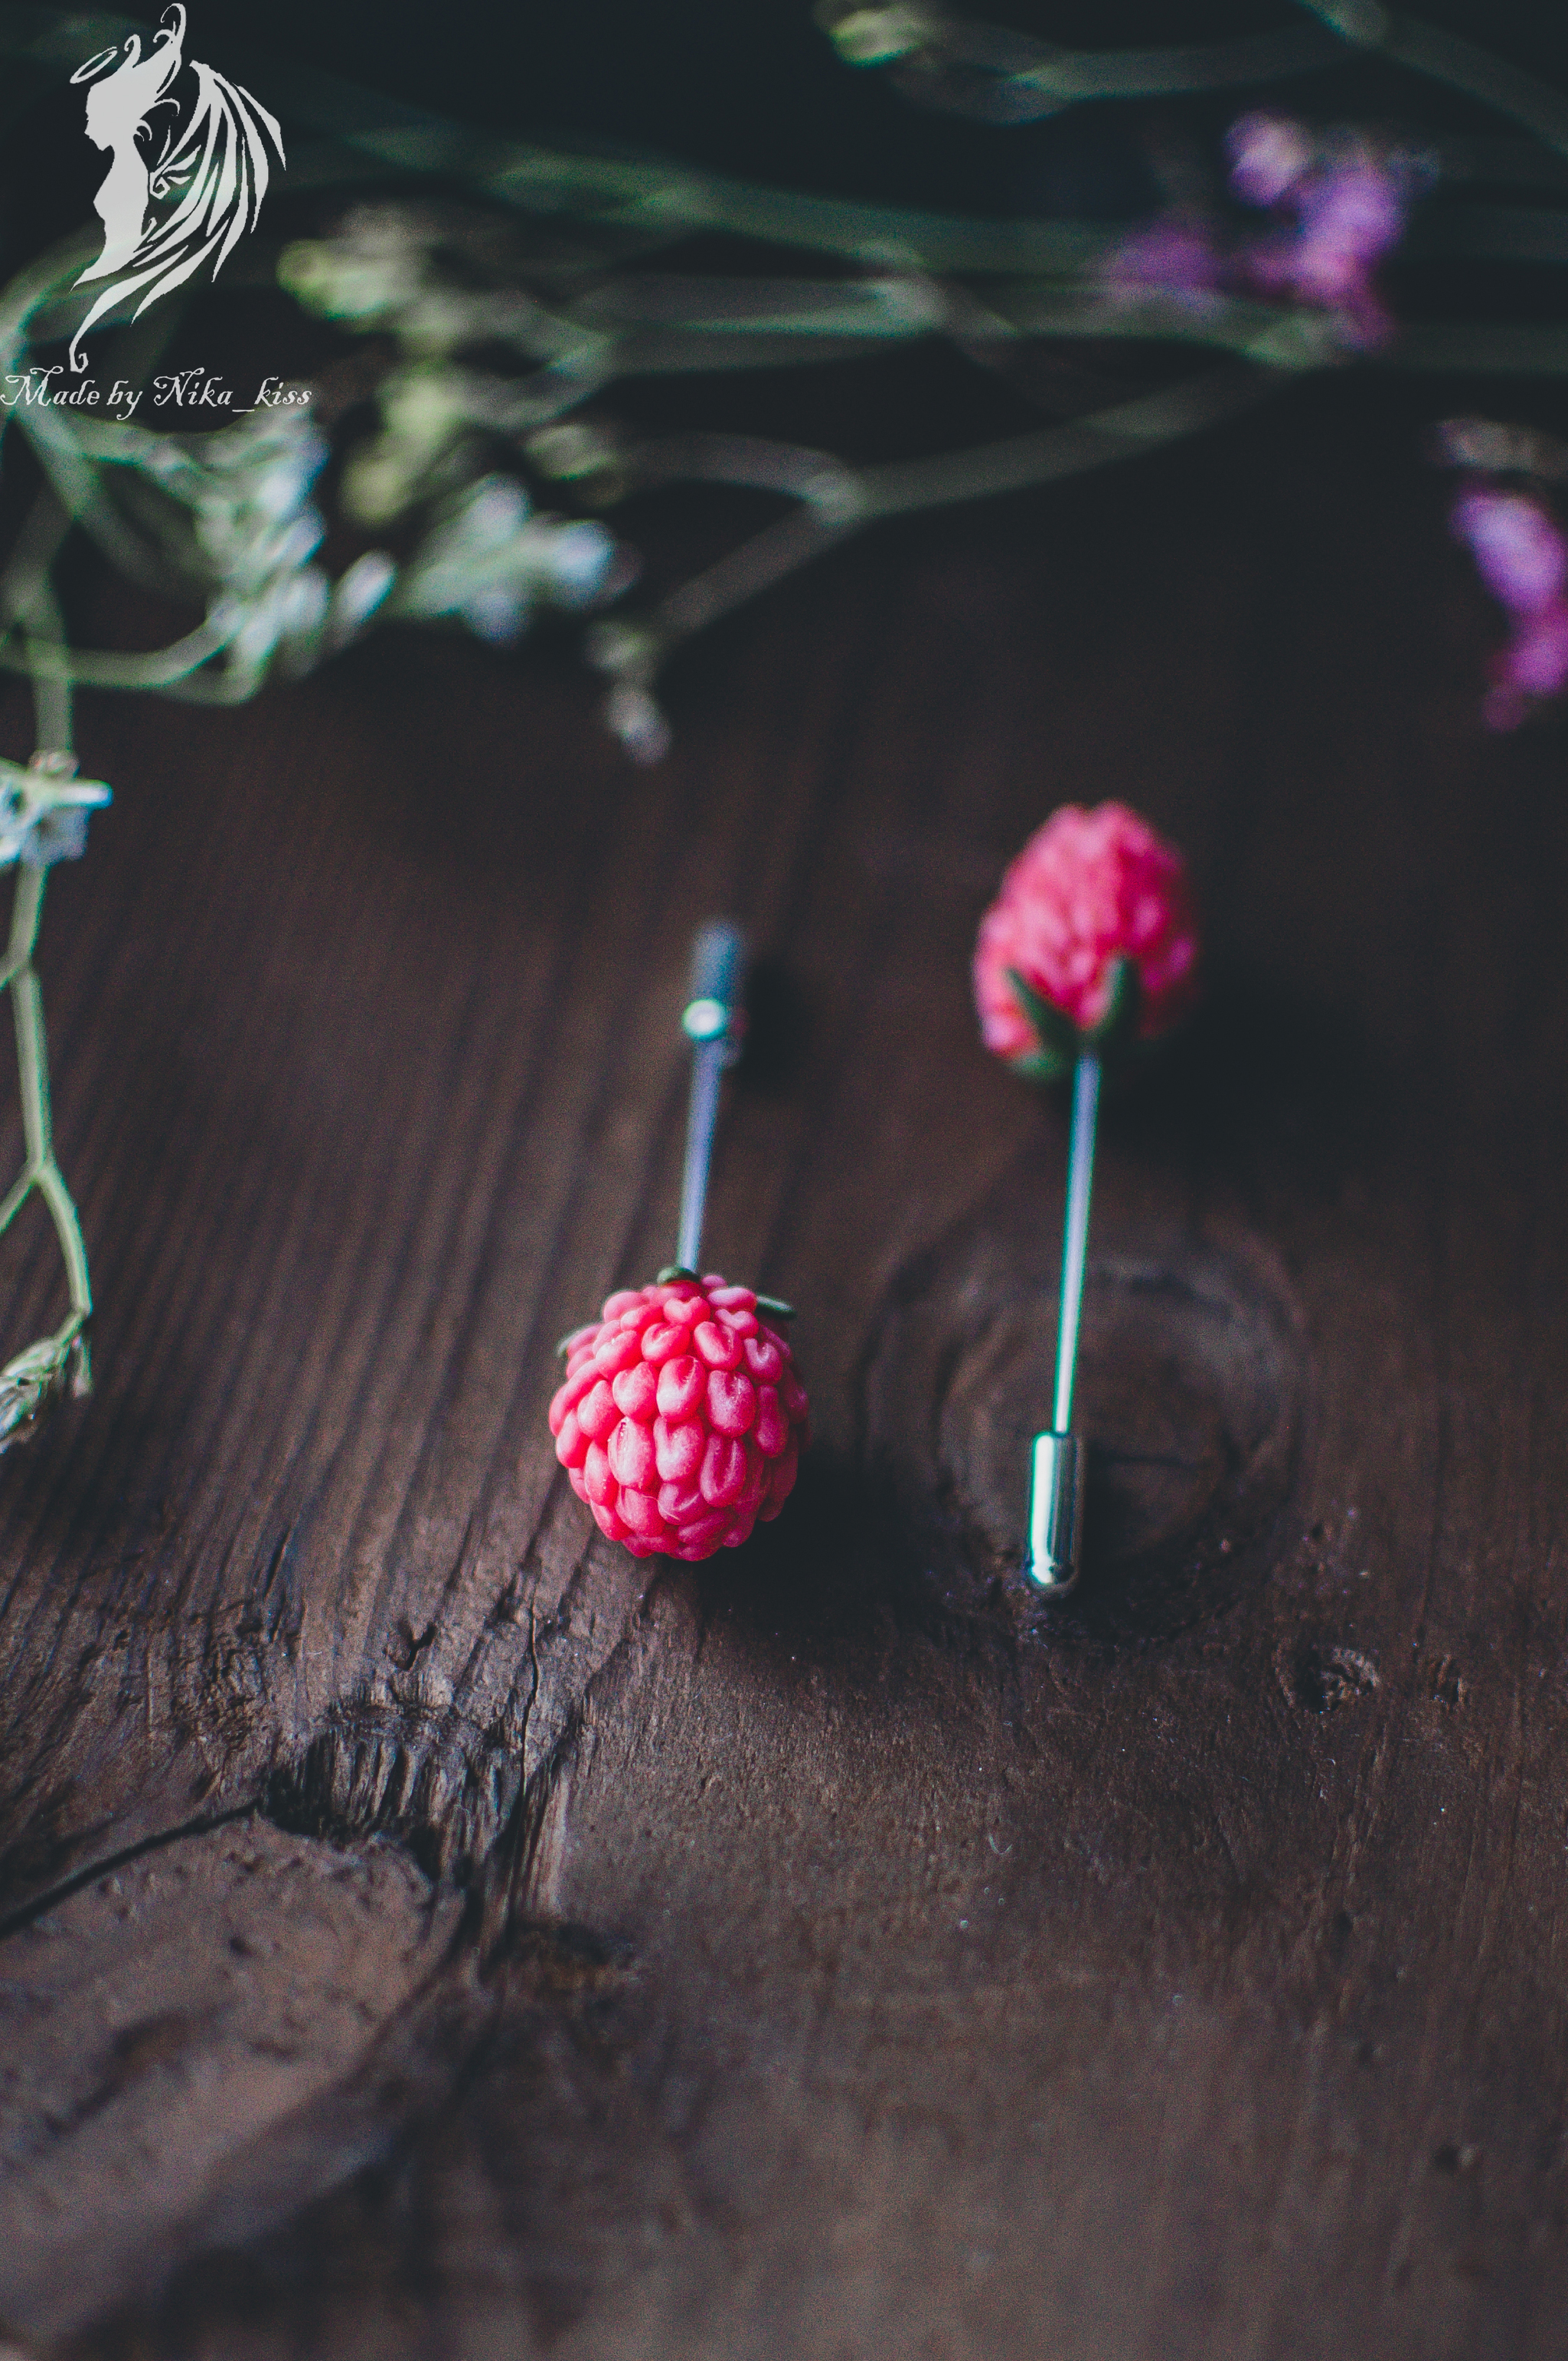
[1446,56]
[963,66]
[847,498]
[34,1378]
[40,1171]
[166,668]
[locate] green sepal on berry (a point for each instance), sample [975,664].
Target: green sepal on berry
[1059,1043]
[1056,1035]
[1117,1032]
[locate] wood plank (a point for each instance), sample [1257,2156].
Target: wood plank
[813,1951]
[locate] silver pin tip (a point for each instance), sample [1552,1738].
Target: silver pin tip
[1057,1464]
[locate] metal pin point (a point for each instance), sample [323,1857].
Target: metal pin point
[1057,1459]
[713,1022]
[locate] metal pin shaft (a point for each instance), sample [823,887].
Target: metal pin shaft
[1056,1461]
[713,1022]
[1074,1235]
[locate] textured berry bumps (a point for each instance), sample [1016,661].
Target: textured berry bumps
[681,1418]
[1093,934]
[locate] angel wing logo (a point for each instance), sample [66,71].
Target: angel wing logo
[169,205]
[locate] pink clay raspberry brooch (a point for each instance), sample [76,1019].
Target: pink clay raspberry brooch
[1089,953]
[682,1418]
[1090,945]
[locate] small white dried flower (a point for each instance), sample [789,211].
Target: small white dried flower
[44,810]
[635,717]
[34,1380]
[490,560]
[371,268]
[357,593]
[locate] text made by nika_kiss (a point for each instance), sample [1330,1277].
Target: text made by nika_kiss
[183,389]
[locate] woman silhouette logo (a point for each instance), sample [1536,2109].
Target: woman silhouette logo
[166,213]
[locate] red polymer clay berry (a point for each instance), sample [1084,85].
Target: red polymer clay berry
[682,1420]
[1089,889]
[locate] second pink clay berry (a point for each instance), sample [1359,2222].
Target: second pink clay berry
[1096,908]
[682,1418]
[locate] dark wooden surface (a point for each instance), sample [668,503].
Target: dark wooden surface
[430,1932]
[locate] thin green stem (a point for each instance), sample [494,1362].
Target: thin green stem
[859,495]
[16,1197]
[81,496]
[41,1171]
[26,909]
[1447,57]
[52,701]
[34,1378]
[159,668]
[28,1007]
[73,1248]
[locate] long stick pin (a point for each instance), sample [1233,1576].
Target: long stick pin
[1056,1460]
[1089,953]
[682,1418]
[713,1022]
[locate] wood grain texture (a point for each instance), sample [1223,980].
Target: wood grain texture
[430,1933]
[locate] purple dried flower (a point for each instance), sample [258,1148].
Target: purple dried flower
[1171,258]
[1522,559]
[1349,222]
[1517,548]
[1347,205]
[1268,155]
[1339,205]
[1538,660]
[1533,665]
